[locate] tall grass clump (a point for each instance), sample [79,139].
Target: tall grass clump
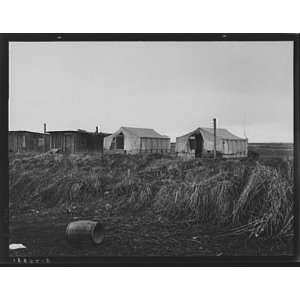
[259,197]
[267,198]
[209,200]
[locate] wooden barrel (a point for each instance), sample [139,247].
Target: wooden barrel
[85,231]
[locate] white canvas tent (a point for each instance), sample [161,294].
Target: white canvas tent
[134,140]
[200,142]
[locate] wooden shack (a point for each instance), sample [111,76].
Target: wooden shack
[27,141]
[72,141]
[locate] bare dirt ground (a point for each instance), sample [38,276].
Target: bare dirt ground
[133,236]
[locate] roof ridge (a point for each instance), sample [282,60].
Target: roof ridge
[218,128]
[222,133]
[137,127]
[128,129]
[143,132]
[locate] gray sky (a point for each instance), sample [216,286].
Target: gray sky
[172,87]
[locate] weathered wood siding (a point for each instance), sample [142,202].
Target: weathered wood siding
[28,141]
[74,142]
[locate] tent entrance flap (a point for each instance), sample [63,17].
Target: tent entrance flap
[196,144]
[117,142]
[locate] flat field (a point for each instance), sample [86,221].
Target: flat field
[284,150]
[153,205]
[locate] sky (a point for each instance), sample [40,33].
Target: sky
[172,87]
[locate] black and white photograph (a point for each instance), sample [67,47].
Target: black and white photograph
[151,149]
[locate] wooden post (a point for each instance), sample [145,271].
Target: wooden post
[140,144]
[215,138]
[74,142]
[45,130]
[223,147]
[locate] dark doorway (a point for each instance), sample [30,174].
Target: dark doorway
[68,143]
[196,144]
[120,141]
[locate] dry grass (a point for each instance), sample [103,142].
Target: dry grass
[247,197]
[268,197]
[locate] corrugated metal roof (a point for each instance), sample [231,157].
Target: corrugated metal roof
[145,132]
